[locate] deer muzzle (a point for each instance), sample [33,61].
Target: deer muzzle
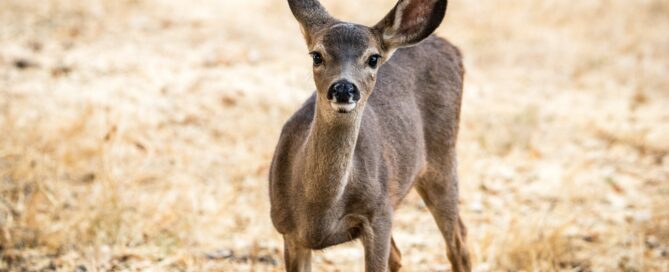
[343,96]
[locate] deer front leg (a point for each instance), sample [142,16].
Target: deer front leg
[297,257]
[376,238]
[395,261]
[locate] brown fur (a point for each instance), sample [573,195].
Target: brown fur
[337,176]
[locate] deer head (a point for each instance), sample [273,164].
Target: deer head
[347,57]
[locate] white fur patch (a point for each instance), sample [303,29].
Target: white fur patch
[346,25]
[343,107]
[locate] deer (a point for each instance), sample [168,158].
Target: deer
[383,119]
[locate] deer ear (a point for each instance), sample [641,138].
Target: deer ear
[411,21]
[310,14]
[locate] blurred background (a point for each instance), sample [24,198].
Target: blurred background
[136,135]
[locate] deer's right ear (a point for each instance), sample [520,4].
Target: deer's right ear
[310,14]
[411,21]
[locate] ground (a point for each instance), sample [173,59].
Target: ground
[137,135]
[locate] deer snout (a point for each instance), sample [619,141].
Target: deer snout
[343,92]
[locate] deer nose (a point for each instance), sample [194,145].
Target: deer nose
[343,91]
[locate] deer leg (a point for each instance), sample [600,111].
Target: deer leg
[395,260]
[297,257]
[439,191]
[376,238]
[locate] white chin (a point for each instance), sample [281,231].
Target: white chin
[343,107]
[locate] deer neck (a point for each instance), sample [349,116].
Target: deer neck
[328,153]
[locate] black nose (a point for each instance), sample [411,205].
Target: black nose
[343,92]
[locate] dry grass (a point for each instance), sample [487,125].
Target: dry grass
[137,134]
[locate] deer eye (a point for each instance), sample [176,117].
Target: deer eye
[317,57]
[373,61]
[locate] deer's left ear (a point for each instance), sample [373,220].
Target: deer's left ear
[411,21]
[311,15]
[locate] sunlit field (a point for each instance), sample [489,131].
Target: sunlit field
[136,135]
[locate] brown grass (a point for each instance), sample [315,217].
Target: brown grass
[137,135]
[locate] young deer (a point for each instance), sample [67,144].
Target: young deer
[376,127]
